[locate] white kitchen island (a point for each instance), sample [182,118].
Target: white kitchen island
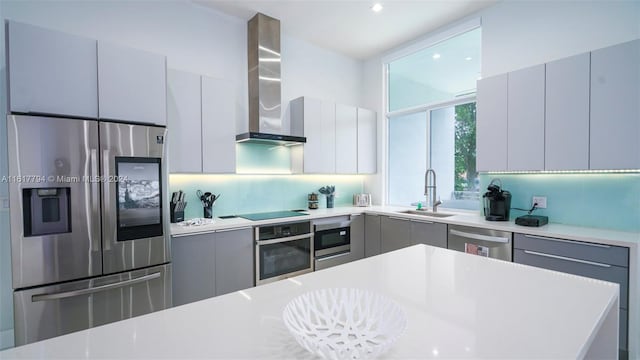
[457,306]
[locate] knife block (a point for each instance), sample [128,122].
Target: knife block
[176,215]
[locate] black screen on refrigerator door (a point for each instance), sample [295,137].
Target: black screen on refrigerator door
[139,197]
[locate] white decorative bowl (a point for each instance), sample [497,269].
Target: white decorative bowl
[344,323]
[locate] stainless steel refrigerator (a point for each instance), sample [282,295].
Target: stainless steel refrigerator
[89,223]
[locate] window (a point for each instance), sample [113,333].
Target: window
[432,123]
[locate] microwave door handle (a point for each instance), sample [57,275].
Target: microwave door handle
[91,290]
[498,239]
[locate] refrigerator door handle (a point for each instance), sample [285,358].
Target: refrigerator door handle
[73,293]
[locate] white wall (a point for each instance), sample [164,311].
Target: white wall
[517,34]
[194,39]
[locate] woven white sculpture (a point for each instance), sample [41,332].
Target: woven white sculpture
[344,323]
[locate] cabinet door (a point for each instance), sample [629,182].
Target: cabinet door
[193,266]
[429,233]
[357,237]
[372,235]
[218,126]
[234,269]
[319,129]
[491,124]
[566,126]
[395,233]
[615,107]
[367,140]
[184,122]
[346,139]
[132,84]
[526,119]
[51,72]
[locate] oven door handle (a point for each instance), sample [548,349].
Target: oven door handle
[284,239]
[332,226]
[91,290]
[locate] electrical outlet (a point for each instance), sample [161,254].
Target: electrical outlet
[541,201]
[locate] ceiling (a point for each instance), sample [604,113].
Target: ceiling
[350,27]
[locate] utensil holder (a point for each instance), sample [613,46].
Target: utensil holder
[330,201]
[208,212]
[176,215]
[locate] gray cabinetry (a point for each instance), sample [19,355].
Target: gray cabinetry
[491,124]
[357,237]
[131,84]
[212,264]
[525,114]
[429,233]
[615,107]
[566,127]
[234,265]
[603,262]
[372,235]
[193,260]
[184,122]
[395,233]
[51,72]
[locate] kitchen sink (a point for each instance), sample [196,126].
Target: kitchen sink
[426,213]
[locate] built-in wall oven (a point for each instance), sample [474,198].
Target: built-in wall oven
[283,250]
[332,241]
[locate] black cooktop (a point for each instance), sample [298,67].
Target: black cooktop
[272,215]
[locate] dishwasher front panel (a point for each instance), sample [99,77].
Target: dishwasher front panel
[485,242]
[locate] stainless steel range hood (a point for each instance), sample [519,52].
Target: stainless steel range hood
[265,109]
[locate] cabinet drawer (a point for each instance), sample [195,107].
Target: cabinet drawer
[579,267]
[606,254]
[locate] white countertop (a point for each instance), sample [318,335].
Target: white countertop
[457,305]
[474,219]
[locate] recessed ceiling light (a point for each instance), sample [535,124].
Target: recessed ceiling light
[436,56]
[377,7]
[468,58]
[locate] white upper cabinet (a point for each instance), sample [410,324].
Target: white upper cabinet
[615,107]
[367,138]
[346,139]
[184,121]
[525,114]
[218,126]
[491,124]
[51,72]
[567,114]
[131,84]
[319,127]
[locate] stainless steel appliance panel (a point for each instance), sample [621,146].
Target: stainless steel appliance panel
[497,244]
[283,251]
[118,140]
[53,153]
[45,312]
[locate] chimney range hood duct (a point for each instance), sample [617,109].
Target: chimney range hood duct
[265,122]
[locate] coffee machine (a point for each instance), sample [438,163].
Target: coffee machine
[497,202]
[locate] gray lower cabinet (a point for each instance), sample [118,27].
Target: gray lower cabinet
[372,235]
[357,237]
[234,265]
[429,233]
[193,268]
[598,261]
[211,264]
[395,233]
